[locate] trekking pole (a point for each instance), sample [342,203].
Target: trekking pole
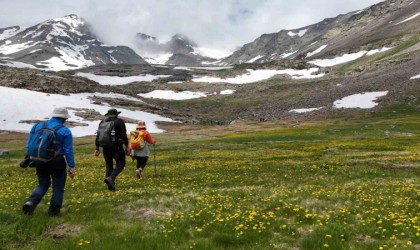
[154,157]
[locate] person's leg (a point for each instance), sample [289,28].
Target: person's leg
[141,164]
[59,176]
[120,163]
[44,182]
[109,154]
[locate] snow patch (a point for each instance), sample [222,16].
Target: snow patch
[35,105]
[7,49]
[408,19]
[306,110]
[262,74]
[300,33]
[118,80]
[227,92]
[363,100]
[285,55]
[172,95]
[415,77]
[156,59]
[316,51]
[205,68]
[338,60]
[346,58]
[255,59]
[374,51]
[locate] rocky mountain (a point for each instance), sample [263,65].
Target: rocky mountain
[179,50]
[382,25]
[309,83]
[60,44]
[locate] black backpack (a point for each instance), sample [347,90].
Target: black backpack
[42,145]
[106,134]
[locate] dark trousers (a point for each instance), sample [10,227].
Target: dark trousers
[53,172]
[110,154]
[141,161]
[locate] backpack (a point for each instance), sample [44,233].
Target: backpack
[42,144]
[106,134]
[137,140]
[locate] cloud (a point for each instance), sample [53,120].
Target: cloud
[222,24]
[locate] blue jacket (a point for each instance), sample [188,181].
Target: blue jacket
[64,139]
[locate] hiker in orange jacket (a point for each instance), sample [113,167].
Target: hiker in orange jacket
[141,155]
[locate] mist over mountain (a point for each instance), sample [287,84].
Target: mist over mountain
[179,50]
[147,44]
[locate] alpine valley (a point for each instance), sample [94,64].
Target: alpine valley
[352,65]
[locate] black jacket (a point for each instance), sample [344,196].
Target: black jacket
[120,131]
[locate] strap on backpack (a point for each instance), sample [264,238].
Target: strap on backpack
[56,128]
[44,125]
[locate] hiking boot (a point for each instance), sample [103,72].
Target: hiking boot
[28,207]
[138,173]
[110,182]
[53,211]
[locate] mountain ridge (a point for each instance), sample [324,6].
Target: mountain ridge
[344,33]
[62,44]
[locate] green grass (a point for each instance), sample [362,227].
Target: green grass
[321,185]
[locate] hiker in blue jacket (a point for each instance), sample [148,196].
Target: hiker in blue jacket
[53,172]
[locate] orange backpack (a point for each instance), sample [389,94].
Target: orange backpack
[137,140]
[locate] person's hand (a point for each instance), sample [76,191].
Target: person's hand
[71,172]
[97,152]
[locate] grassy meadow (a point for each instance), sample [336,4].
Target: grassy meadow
[330,184]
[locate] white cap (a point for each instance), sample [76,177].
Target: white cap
[60,112]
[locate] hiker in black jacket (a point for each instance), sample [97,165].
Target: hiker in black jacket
[112,135]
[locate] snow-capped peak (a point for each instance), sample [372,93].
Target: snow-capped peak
[72,23]
[63,43]
[72,20]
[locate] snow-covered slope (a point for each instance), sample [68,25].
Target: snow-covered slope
[61,44]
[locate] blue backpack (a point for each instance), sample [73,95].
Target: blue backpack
[41,145]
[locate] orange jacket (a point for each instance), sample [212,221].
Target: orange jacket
[147,136]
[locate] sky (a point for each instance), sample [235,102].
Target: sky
[215,24]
